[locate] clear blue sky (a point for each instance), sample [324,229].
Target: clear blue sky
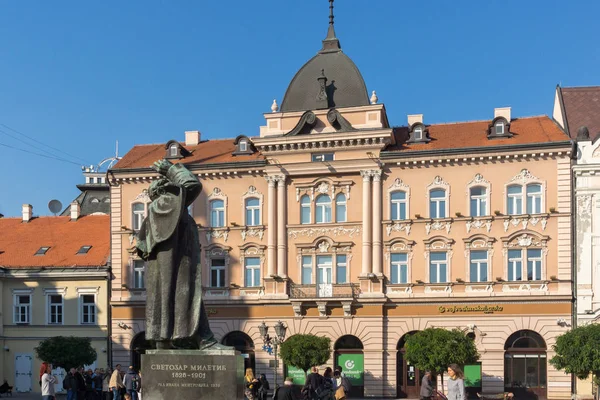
[79,75]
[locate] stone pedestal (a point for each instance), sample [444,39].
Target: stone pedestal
[192,375]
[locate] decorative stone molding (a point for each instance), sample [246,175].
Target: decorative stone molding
[347,306]
[253,291]
[399,290]
[479,223]
[217,233]
[399,246]
[524,177]
[322,306]
[524,240]
[252,192]
[479,289]
[398,227]
[254,231]
[441,289]
[438,182]
[524,287]
[349,231]
[584,207]
[438,225]
[323,186]
[524,221]
[297,307]
[143,197]
[439,243]
[478,242]
[324,245]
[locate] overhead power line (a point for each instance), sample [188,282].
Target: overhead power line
[62,152]
[39,154]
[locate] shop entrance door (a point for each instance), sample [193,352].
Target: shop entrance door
[408,376]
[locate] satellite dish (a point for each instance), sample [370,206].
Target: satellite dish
[55,206]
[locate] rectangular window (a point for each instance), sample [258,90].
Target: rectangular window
[514,200]
[478,202]
[217,214]
[305,210]
[306,270]
[88,309]
[437,203]
[534,199]
[139,274]
[479,266]
[322,157]
[55,309]
[534,264]
[217,272]
[398,206]
[252,212]
[399,268]
[137,215]
[22,312]
[252,267]
[515,265]
[438,267]
[341,268]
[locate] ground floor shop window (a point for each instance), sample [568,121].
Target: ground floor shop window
[525,365]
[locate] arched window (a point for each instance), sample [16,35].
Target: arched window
[217,213]
[173,150]
[323,209]
[525,364]
[514,200]
[478,201]
[243,145]
[340,208]
[437,203]
[398,205]
[418,133]
[138,211]
[305,209]
[499,128]
[252,211]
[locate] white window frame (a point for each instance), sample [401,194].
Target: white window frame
[321,157]
[478,242]
[142,198]
[308,206]
[439,244]
[87,292]
[304,266]
[418,130]
[478,264]
[253,268]
[217,251]
[341,203]
[481,207]
[243,145]
[217,194]
[399,265]
[136,270]
[48,292]
[217,268]
[523,241]
[399,245]
[524,179]
[219,213]
[28,307]
[533,196]
[251,250]
[499,124]
[253,193]
[398,204]
[479,181]
[137,216]
[438,204]
[439,184]
[512,266]
[173,150]
[324,247]
[535,260]
[336,265]
[254,212]
[513,199]
[322,209]
[438,266]
[398,186]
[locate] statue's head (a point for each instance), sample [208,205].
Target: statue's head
[160,187]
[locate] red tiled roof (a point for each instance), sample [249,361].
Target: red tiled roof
[582,107]
[208,152]
[529,130]
[19,241]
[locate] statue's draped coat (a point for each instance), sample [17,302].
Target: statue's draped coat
[168,241]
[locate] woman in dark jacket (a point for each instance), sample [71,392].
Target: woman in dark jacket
[263,388]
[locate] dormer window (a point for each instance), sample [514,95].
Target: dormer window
[499,128]
[173,150]
[417,133]
[243,146]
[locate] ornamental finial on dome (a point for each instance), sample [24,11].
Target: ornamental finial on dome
[331,42]
[374,98]
[274,106]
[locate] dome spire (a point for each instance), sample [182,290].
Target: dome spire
[331,42]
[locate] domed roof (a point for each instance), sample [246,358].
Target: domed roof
[345,86]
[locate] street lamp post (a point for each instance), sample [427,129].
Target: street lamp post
[272,343]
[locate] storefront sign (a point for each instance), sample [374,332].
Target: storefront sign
[296,374]
[353,366]
[469,309]
[211,311]
[472,375]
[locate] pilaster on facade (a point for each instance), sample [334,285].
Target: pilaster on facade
[366,216]
[281,227]
[271,226]
[377,224]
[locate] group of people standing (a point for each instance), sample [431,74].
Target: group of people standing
[456,385]
[98,384]
[332,385]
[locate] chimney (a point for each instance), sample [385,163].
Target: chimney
[415,118]
[502,112]
[192,138]
[75,211]
[27,212]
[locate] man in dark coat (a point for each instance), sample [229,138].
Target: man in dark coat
[168,241]
[286,391]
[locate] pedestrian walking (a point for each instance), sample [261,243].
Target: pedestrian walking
[426,386]
[116,383]
[47,383]
[456,383]
[251,384]
[286,391]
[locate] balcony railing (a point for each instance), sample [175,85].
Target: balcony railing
[326,291]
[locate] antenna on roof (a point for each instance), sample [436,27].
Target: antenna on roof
[54,206]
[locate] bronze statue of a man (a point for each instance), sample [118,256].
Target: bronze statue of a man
[168,241]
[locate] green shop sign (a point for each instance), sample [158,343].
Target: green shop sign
[353,365]
[296,374]
[472,375]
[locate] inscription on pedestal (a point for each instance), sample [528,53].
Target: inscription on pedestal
[192,374]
